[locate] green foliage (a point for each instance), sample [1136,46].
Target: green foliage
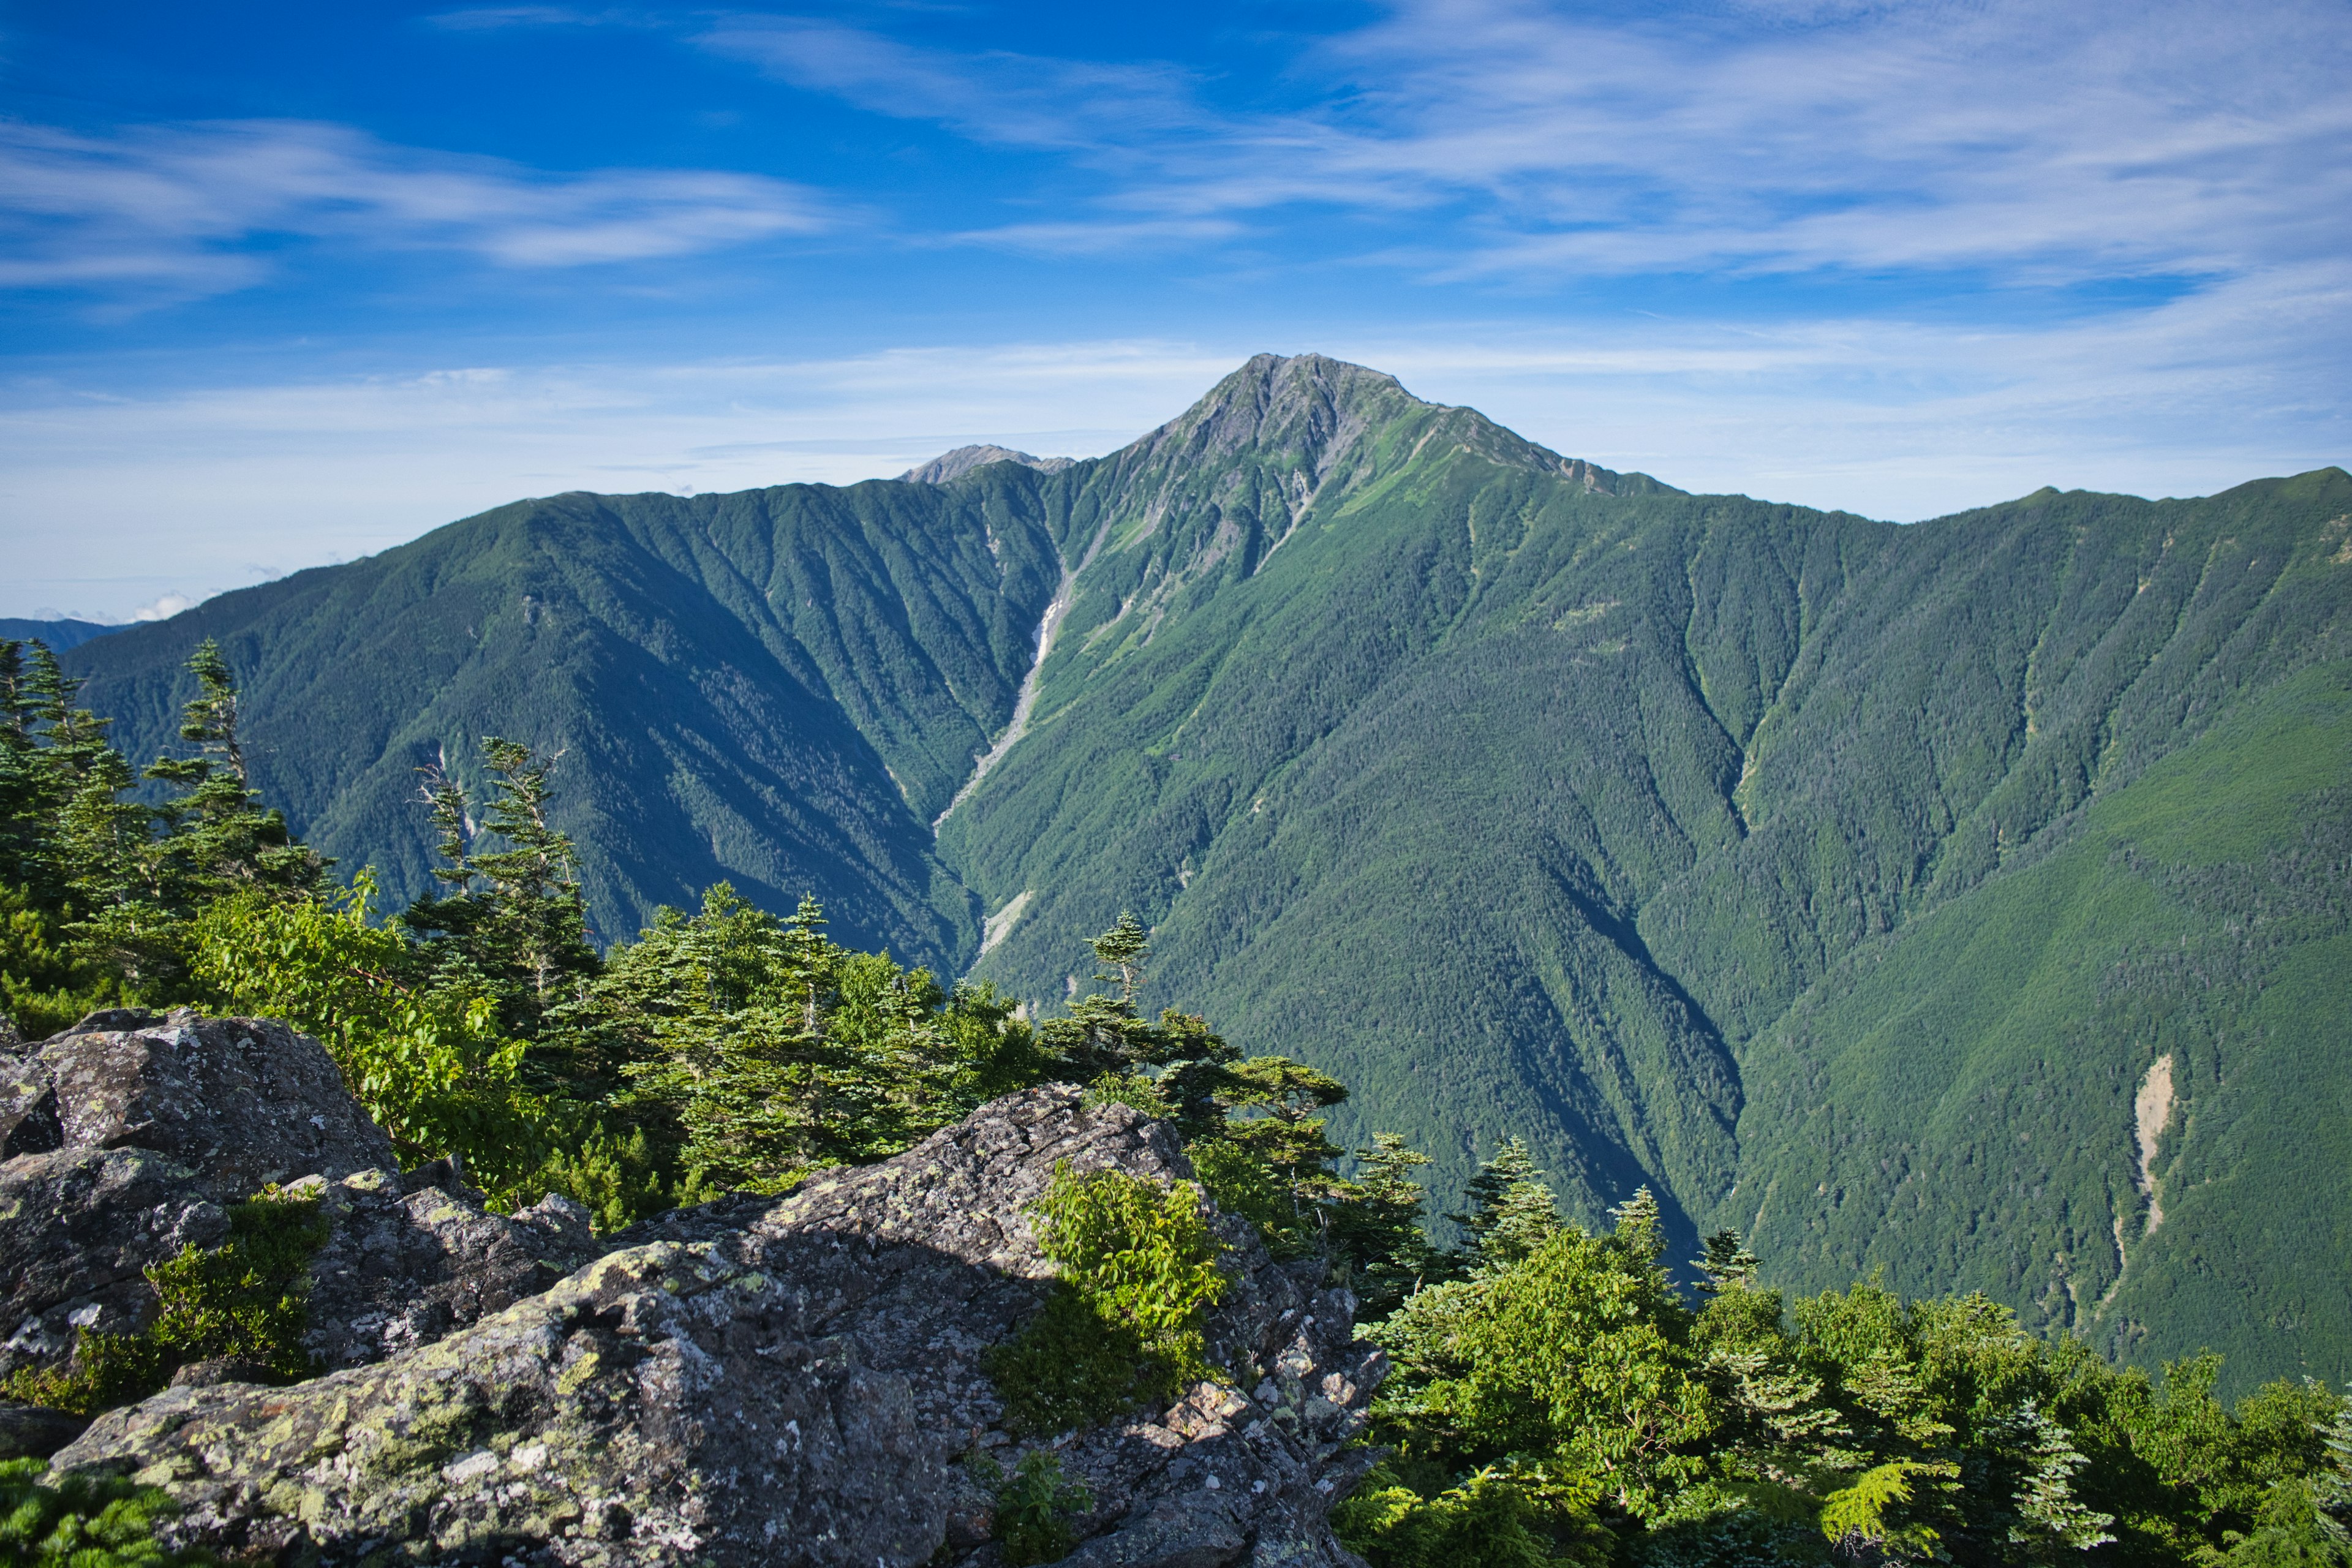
[774,1050]
[1859,1426]
[1035,1506]
[246,1300]
[47,979]
[1874,1515]
[424,1057]
[1489,1520]
[524,935]
[1576,1355]
[84,1520]
[1138,1269]
[1510,1212]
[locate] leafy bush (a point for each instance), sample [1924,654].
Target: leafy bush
[83,1522]
[246,1300]
[1140,1268]
[1487,1522]
[1034,1507]
[428,1061]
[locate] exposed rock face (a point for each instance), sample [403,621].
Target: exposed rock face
[778,1382]
[402,1268]
[239,1101]
[954,465]
[76,1226]
[142,1129]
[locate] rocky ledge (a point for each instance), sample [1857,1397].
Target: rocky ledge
[792,1380]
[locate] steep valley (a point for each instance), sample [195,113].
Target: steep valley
[1842,882]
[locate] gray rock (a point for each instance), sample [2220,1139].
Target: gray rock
[239,1101]
[785,1382]
[76,1228]
[32,1432]
[28,1109]
[164,1121]
[219,1370]
[402,1270]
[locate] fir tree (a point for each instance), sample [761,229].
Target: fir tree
[217,838]
[1508,1211]
[1376,1227]
[1725,1264]
[524,930]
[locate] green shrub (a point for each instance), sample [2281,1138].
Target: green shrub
[429,1061]
[1033,1506]
[1487,1522]
[1139,1267]
[246,1300]
[83,1522]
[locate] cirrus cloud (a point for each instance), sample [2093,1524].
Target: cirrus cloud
[182,206]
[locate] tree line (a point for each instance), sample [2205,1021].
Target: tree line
[1554,1397]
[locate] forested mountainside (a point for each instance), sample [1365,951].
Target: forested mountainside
[59,634]
[1966,897]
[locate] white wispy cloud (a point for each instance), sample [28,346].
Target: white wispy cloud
[171,205]
[995,96]
[2047,144]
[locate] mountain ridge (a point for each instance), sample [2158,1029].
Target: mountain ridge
[1524,794]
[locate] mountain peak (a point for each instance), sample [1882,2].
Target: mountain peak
[1320,410]
[954,465]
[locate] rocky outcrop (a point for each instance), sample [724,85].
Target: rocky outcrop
[963,460]
[791,1380]
[402,1267]
[241,1102]
[130,1132]
[77,1228]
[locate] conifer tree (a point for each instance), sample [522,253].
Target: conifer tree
[1107,1034]
[1724,1264]
[1377,1228]
[1508,1211]
[524,930]
[217,838]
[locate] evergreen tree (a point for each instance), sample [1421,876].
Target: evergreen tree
[524,930]
[1107,1035]
[217,838]
[1725,1264]
[1508,1211]
[1377,1228]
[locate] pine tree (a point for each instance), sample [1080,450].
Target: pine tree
[217,838]
[1508,1211]
[523,931]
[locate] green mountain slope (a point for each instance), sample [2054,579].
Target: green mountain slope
[781,686]
[2168,979]
[1838,879]
[59,634]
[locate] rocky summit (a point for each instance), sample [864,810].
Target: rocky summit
[777,1381]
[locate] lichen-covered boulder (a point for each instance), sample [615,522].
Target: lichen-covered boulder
[781,1381]
[241,1102]
[77,1229]
[28,1109]
[401,1269]
[126,1137]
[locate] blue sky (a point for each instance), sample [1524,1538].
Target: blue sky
[286,284]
